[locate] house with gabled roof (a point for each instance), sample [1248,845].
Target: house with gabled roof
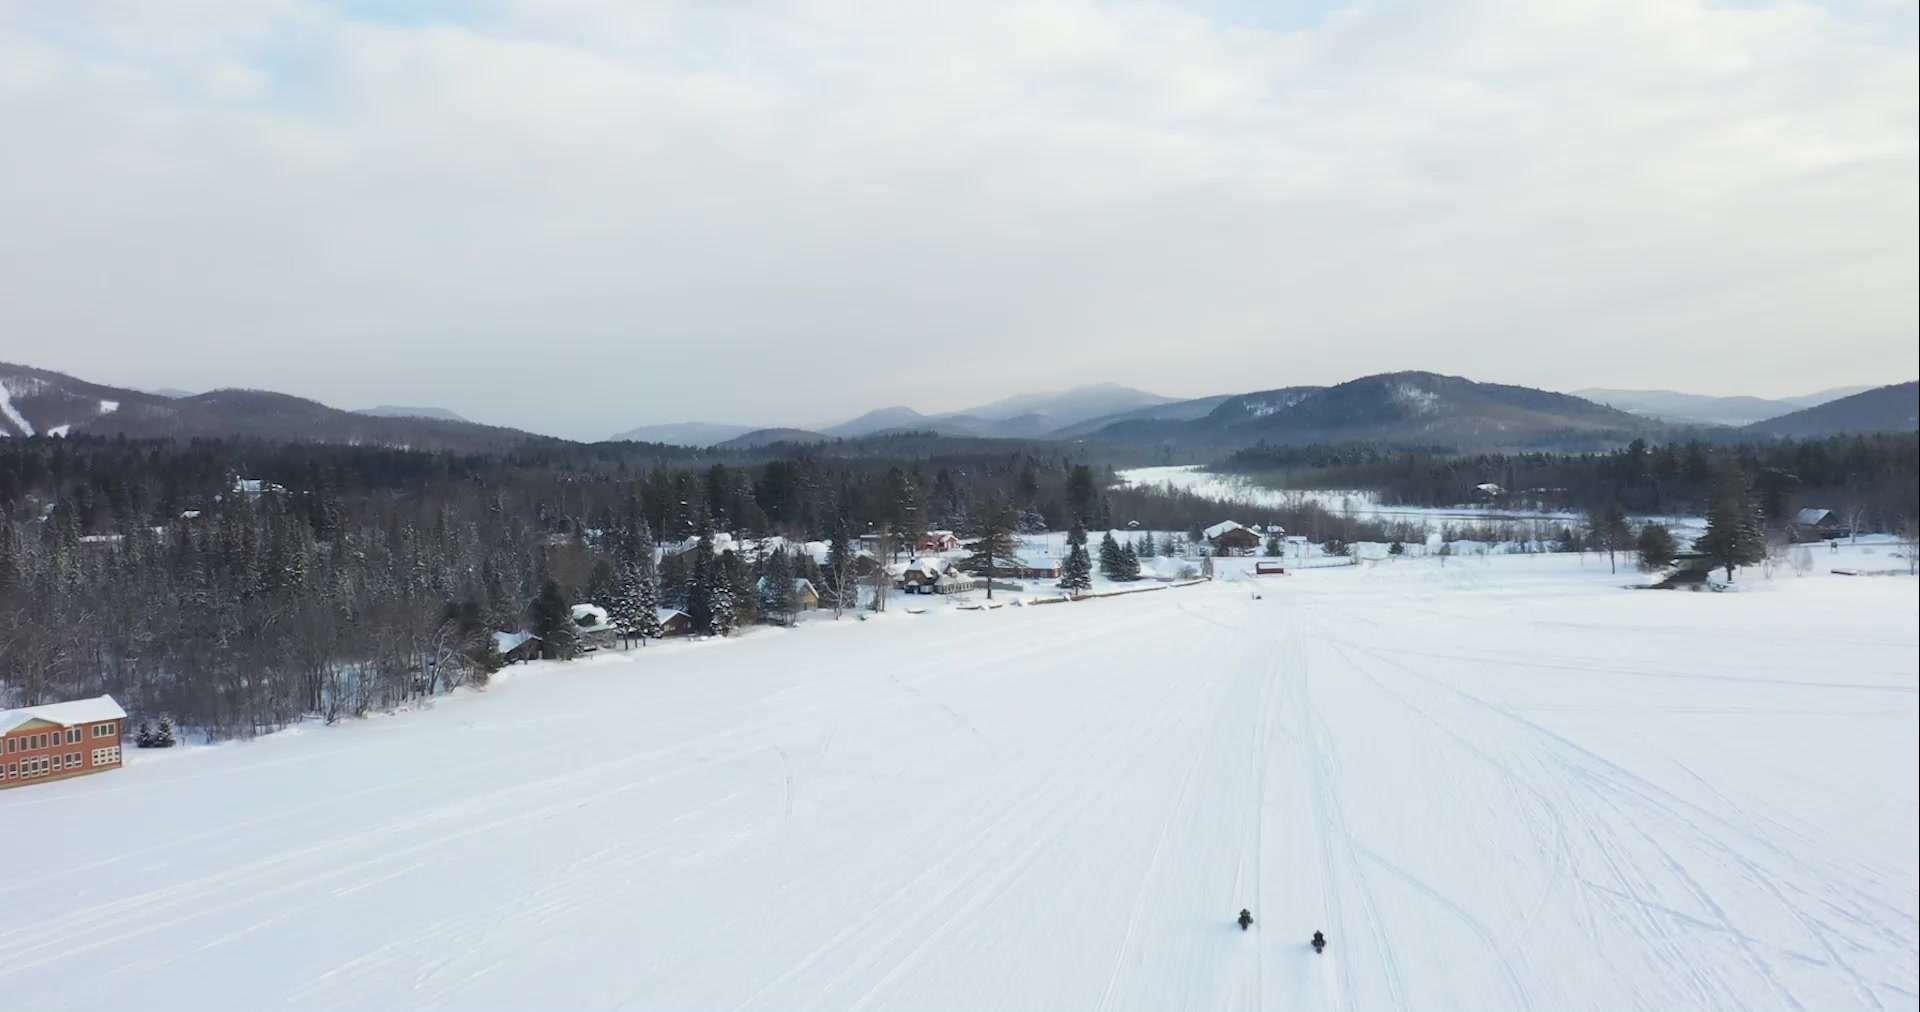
[1228,535]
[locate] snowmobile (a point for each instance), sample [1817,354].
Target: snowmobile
[1319,943]
[1246,918]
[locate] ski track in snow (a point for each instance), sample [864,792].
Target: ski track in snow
[1506,785]
[12,414]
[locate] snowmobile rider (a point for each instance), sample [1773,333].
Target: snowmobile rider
[1246,918]
[1319,941]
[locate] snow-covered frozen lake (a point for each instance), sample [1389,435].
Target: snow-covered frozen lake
[1236,488]
[1498,784]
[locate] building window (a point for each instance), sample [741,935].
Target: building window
[11,742]
[103,730]
[73,736]
[106,756]
[13,769]
[73,760]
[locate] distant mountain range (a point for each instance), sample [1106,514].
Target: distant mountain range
[1022,416]
[1407,408]
[684,433]
[40,401]
[1893,408]
[395,411]
[1700,409]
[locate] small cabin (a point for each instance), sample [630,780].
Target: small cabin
[805,596]
[1228,536]
[940,541]
[515,647]
[593,627]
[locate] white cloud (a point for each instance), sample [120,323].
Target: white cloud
[772,201]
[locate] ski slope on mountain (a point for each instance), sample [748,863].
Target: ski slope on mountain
[1501,784]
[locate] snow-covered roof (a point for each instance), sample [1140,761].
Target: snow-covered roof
[508,642]
[77,711]
[1811,516]
[1221,528]
[800,584]
[1490,488]
[931,567]
[664,614]
[722,544]
[591,617]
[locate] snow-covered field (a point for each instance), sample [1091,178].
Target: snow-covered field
[1501,784]
[1241,489]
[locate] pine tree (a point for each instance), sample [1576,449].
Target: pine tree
[1082,494]
[553,623]
[647,607]
[1145,547]
[1656,547]
[1076,571]
[1734,537]
[1129,564]
[628,609]
[700,578]
[1273,546]
[777,599]
[1112,560]
[994,542]
[721,616]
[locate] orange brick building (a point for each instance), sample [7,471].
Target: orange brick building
[60,740]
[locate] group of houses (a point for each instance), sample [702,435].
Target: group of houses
[593,628]
[60,740]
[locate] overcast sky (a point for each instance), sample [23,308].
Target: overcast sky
[575,216]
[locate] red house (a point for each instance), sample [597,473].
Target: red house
[60,740]
[940,541]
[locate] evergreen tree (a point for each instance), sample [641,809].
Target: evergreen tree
[721,615]
[1145,548]
[994,542]
[731,568]
[1396,548]
[700,578]
[647,607]
[1733,536]
[1076,570]
[629,611]
[1083,494]
[1113,562]
[1273,545]
[1656,547]
[553,623]
[777,599]
[1129,564]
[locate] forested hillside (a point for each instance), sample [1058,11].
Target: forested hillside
[239,585]
[1873,480]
